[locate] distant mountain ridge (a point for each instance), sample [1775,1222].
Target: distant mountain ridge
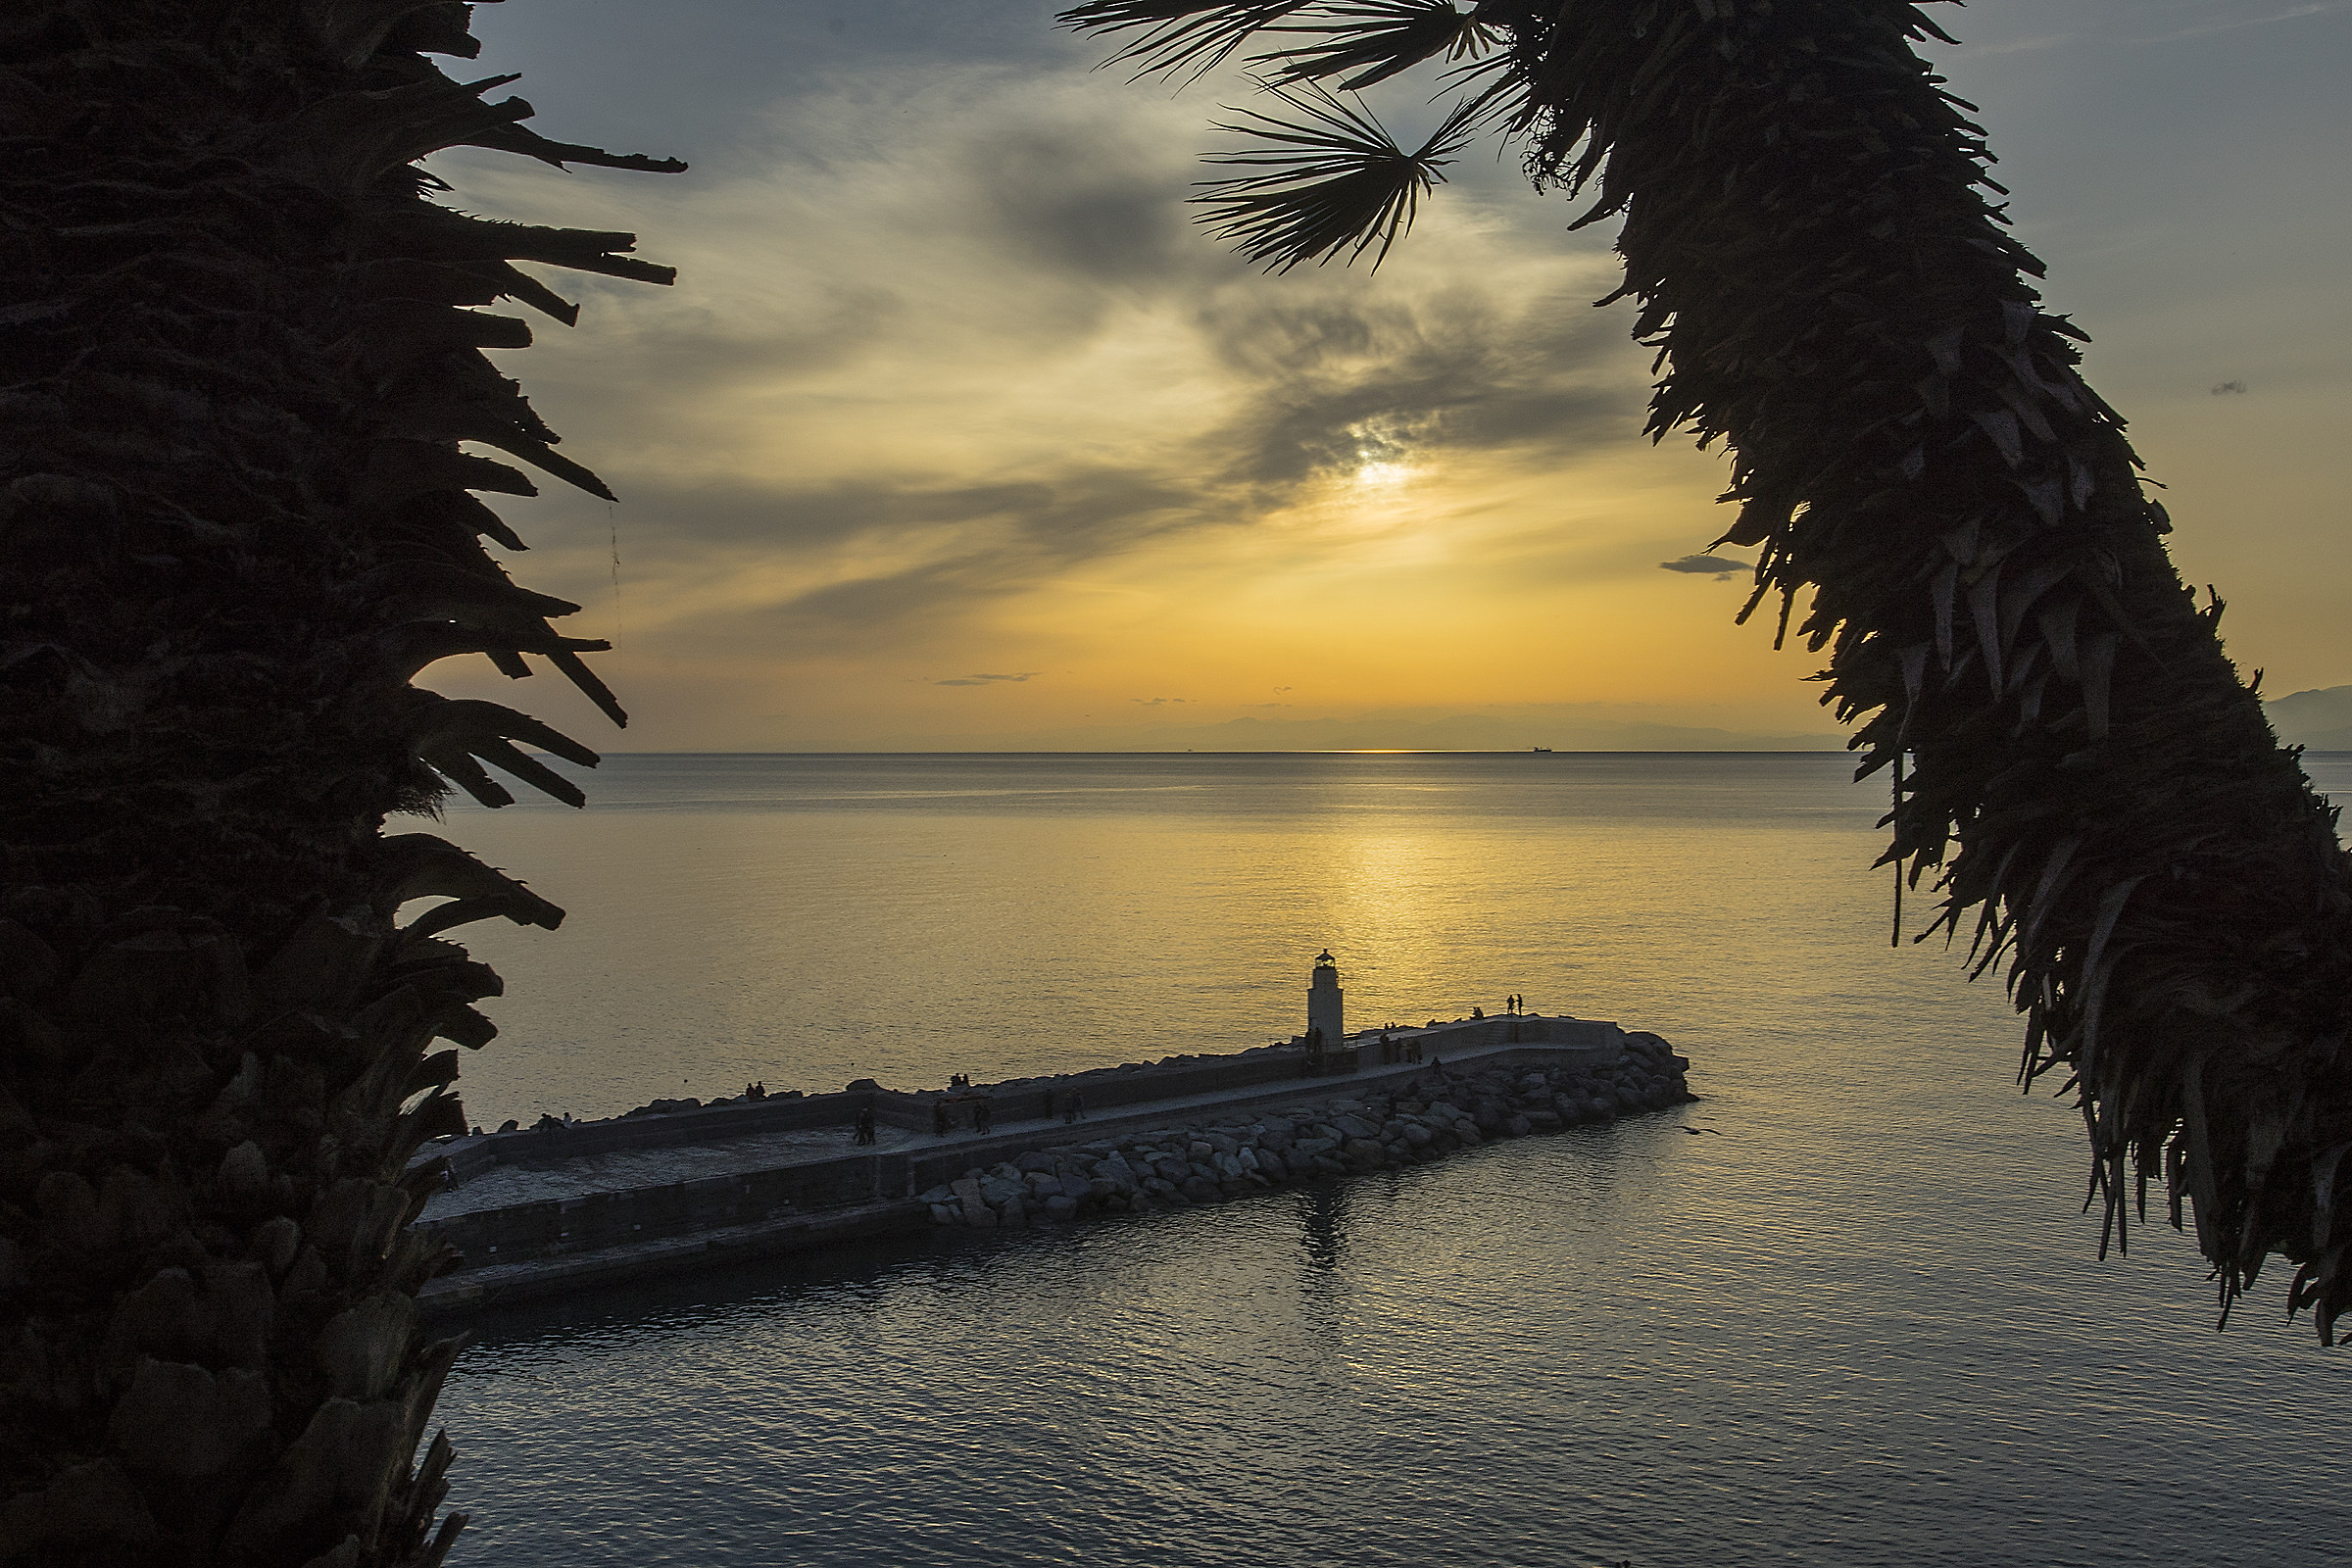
[2320,720]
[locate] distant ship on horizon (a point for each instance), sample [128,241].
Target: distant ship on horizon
[1544,749]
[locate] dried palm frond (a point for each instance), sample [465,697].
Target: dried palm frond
[1333,180]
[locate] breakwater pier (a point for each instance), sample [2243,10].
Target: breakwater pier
[563,1208]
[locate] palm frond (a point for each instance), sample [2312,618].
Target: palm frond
[1193,36]
[1378,38]
[1334,179]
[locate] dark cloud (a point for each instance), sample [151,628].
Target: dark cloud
[1343,382]
[1082,195]
[2228,387]
[986,680]
[1710,565]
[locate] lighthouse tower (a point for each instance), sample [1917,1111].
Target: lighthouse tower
[1324,1003]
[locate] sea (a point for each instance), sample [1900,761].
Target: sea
[1845,1310]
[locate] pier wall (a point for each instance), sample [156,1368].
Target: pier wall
[600,1220]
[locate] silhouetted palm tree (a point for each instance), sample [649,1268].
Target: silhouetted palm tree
[237,359]
[1806,230]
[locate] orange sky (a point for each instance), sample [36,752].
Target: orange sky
[955,434]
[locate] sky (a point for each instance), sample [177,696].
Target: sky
[956,434]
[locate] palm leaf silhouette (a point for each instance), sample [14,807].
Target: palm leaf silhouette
[1376,39]
[1327,178]
[1178,35]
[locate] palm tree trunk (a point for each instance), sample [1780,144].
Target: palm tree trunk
[240,360]
[1806,230]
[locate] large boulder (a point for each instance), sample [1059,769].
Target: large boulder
[976,1212]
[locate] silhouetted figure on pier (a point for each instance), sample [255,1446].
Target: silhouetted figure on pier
[983,1115]
[865,1125]
[1073,1105]
[941,1121]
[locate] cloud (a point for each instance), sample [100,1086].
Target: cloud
[1156,702]
[894,390]
[2233,23]
[986,680]
[1711,565]
[2228,387]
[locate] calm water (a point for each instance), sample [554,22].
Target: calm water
[1863,1326]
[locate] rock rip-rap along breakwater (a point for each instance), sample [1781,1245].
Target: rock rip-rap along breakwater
[1419,1119]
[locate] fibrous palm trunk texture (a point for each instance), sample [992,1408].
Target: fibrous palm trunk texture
[238,354]
[2097,796]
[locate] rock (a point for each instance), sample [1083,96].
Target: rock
[1355,1127]
[1222,1143]
[1361,1152]
[1440,1111]
[1121,1175]
[1061,1208]
[1160,1187]
[937,1194]
[976,1212]
[1172,1168]
[1416,1135]
[1518,1125]
[1015,1216]
[999,1192]
[1310,1148]
[1545,1122]
[1033,1161]
[1467,1131]
[1200,1152]
[1248,1160]
[1102,1190]
[1329,1165]
[1201,1190]
[943,1215]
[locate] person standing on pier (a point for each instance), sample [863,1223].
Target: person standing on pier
[940,1120]
[983,1115]
[865,1125]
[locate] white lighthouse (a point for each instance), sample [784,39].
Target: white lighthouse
[1325,1014]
